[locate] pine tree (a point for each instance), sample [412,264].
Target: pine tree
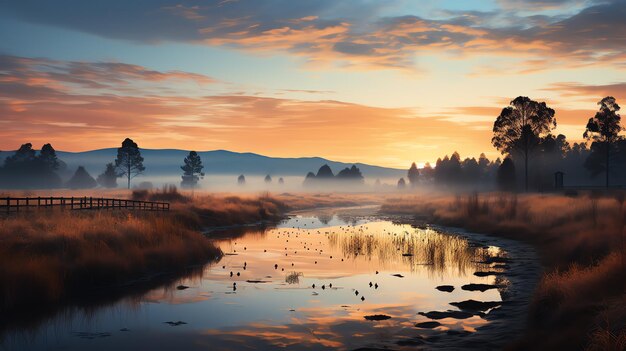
[129,162]
[108,178]
[81,180]
[192,170]
[413,175]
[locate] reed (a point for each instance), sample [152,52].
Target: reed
[581,244]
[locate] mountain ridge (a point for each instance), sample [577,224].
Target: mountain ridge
[167,162]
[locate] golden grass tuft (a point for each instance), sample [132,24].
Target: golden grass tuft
[581,242]
[47,257]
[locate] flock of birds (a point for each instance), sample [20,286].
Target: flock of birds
[287,235]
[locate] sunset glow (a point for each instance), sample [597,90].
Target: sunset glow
[385,83]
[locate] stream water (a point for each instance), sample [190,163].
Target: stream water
[333,279]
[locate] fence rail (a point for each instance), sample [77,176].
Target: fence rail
[17,204]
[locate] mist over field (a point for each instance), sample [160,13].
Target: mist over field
[222,168]
[312,175]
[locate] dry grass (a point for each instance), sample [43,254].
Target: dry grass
[303,201]
[48,257]
[582,245]
[225,210]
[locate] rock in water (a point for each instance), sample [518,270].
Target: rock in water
[476,306]
[479,287]
[377,317]
[428,325]
[446,288]
[447,314]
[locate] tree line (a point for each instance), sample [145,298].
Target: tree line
[533,154]
[29,169]
[325,174]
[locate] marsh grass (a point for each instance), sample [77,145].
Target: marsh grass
[51,256]
[581,243]
[168,193]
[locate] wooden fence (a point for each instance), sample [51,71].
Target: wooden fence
[17,204]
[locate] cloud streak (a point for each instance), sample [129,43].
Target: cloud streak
[40,107]
[355,33]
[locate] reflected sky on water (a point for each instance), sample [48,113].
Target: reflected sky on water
[269,301]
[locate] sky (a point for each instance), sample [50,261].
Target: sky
[381,82]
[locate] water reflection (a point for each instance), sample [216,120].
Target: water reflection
[440,254]
[307,283]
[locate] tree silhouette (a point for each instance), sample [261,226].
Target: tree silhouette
[108,178]
[23,156]
[428,173]
[448,170]
[519,127]
[192,170]
[81,180]
[309,179]
[401,183]
[268,179]
[506,175]
[413,175]
[281,181]
[26,169]
[325,172]
[604,129]
[471,171]
[48,157]
[129,162]
[352,174]
[241,180]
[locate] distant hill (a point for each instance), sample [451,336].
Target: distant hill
[167,162]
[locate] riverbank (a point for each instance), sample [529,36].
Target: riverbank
[55,257]
[579,302]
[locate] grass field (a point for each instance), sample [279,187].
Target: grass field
[50,256]
[580,303]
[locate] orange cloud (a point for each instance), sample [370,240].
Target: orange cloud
[356,35]
[75,110]
[591,93]
[40,106]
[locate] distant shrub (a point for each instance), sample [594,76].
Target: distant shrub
[145,186]
[168,193]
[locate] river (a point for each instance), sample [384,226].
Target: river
[323,279]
